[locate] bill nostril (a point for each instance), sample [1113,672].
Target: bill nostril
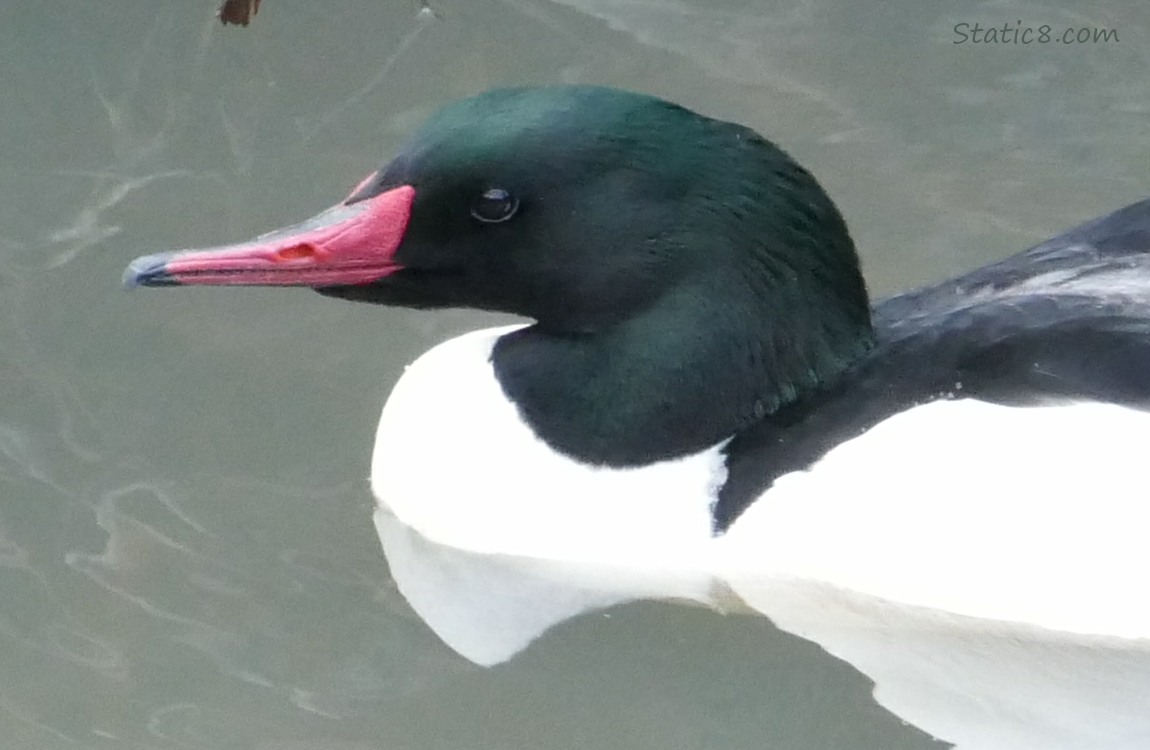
[301,251]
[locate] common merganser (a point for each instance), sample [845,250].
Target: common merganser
[944,489]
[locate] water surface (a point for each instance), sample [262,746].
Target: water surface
[186,557]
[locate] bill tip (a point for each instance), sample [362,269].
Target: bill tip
[149,270]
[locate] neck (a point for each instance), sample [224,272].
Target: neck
[709,360]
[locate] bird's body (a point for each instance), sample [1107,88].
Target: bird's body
[944,490]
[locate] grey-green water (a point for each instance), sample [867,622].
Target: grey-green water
[186,557]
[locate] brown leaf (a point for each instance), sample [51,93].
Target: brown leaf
[238,11]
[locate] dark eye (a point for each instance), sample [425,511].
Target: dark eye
[494,206]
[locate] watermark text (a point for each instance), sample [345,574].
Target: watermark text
[1016,33]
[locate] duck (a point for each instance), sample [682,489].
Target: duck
[943,488]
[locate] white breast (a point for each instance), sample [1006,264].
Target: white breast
[985,565]
[493,536]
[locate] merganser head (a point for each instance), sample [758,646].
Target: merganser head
[594,212]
